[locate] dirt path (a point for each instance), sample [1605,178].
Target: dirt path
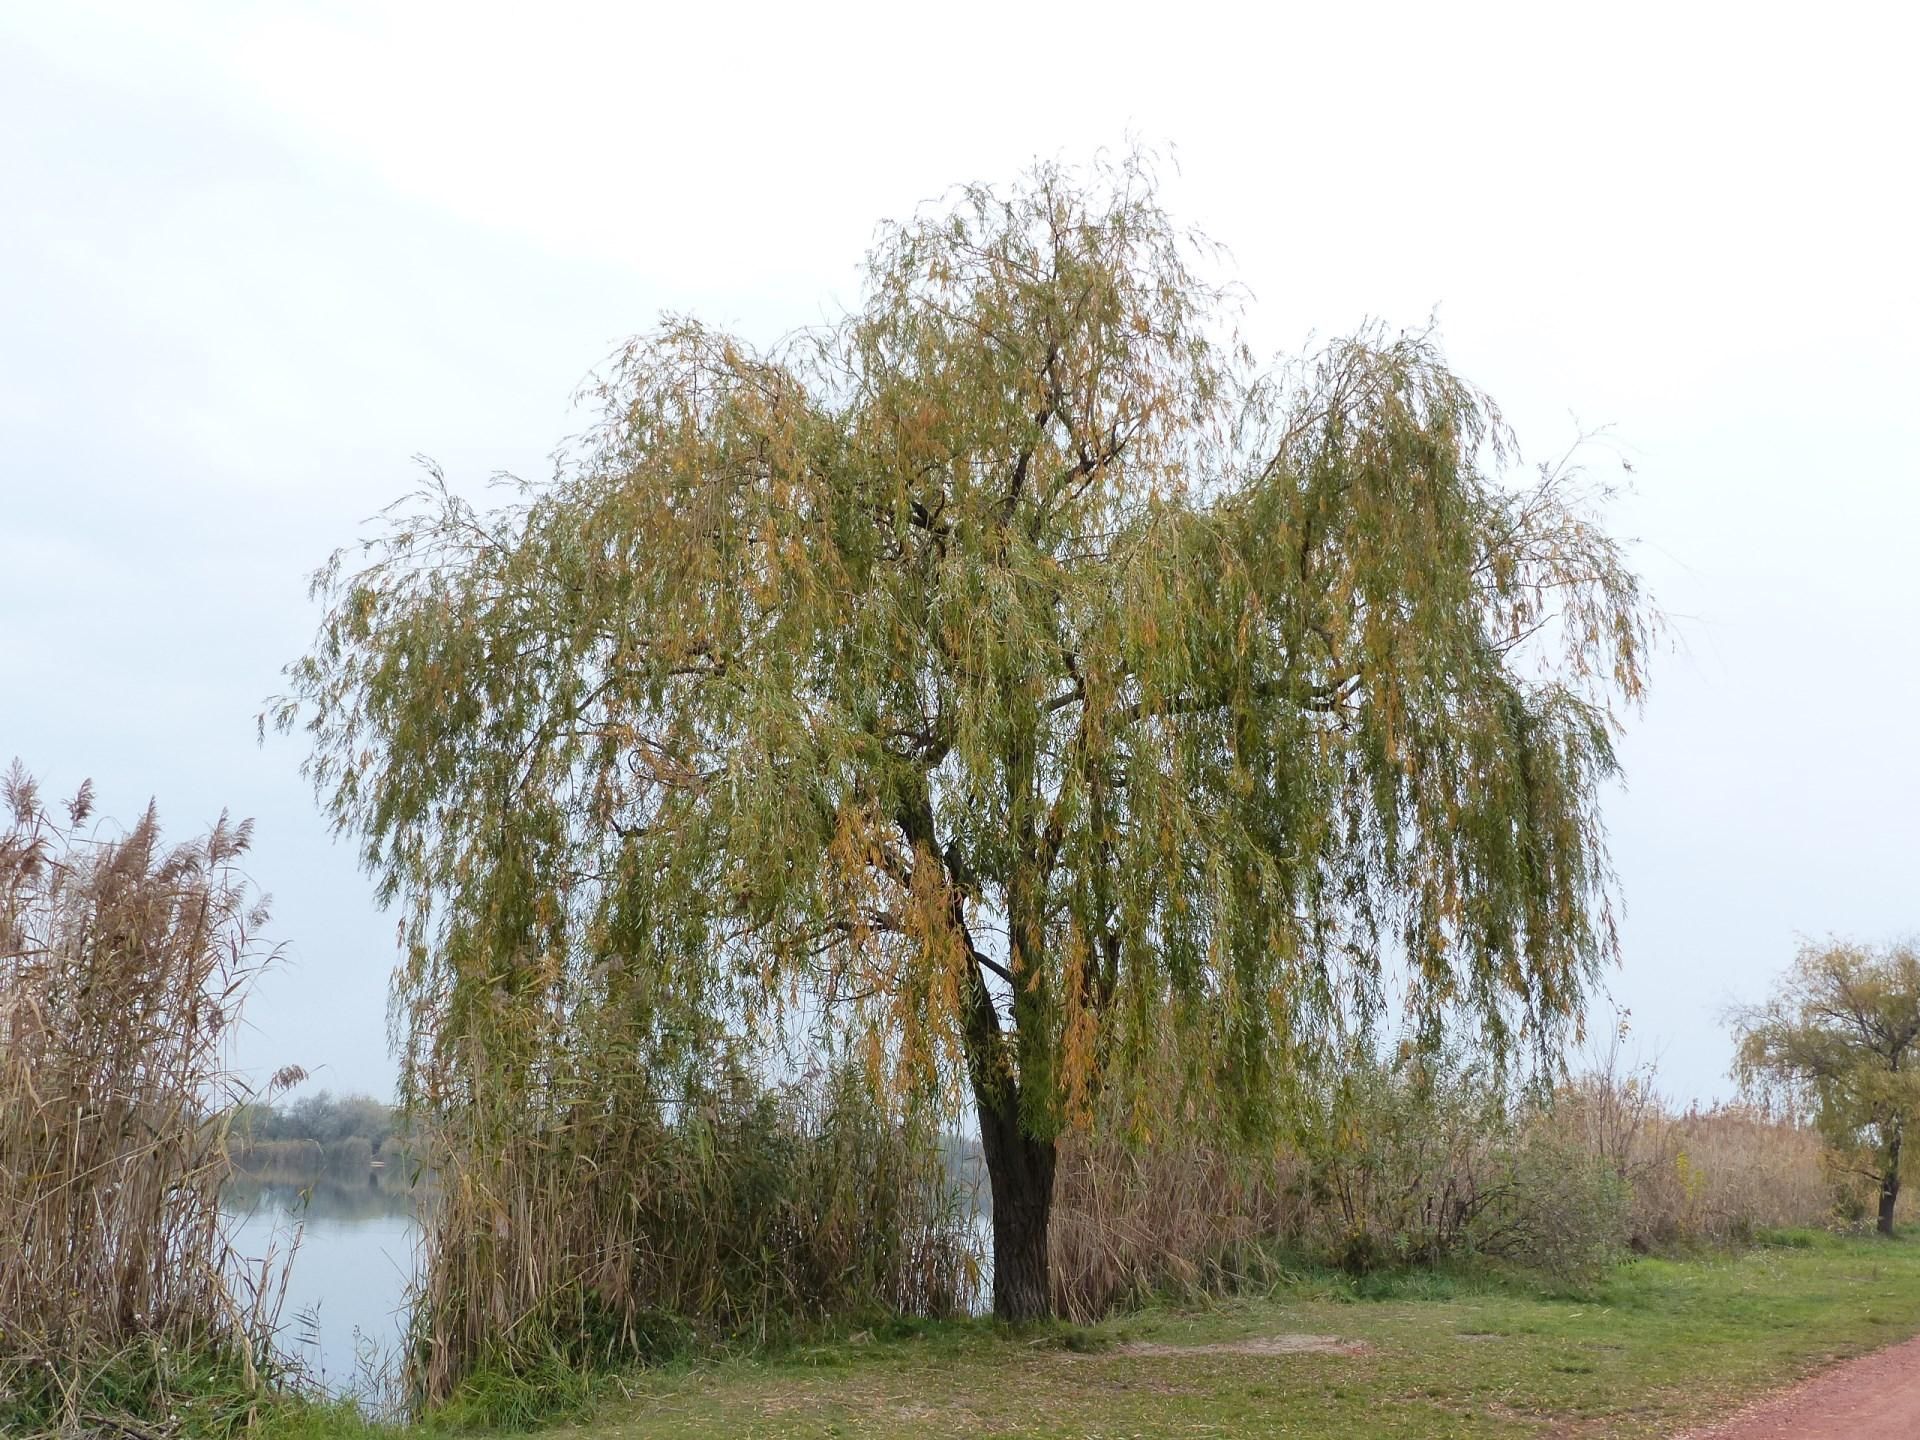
[1873,1396]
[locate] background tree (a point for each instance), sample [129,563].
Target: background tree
[1840,1032]
[997,682]
[321,1116]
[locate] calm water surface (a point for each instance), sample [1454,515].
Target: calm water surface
[345,1310]
[346,1292]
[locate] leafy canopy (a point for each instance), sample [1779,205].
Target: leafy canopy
[1001,680]
[1841,1033]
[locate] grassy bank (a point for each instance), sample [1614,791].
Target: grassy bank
[1659,1346]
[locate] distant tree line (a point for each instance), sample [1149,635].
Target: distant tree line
[322,1116]
[342,1135]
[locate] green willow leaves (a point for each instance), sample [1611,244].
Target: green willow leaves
[996,681]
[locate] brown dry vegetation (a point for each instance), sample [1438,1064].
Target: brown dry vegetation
[586,1230]
[1385,1176]
[1718,1174]
[122,965]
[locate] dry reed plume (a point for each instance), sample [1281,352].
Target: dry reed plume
[123,963]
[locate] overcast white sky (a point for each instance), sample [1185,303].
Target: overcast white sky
[254,257]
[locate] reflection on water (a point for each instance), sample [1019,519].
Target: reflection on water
[346,1291]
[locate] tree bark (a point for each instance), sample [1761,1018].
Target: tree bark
[1020,1174]
[1019,1166]
[1890,1183]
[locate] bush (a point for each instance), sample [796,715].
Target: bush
[1561,1211]
[1433,1158]
[1402,1160]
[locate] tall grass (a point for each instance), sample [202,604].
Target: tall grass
[123,963]
[1421,1163]
[1718,1174]
[593,1234]
[1184,1219]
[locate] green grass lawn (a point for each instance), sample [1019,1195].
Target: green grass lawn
[1661,1345]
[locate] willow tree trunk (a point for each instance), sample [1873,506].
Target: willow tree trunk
[1890,1182]
[1020,1175]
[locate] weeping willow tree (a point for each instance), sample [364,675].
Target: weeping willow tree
[1013,681]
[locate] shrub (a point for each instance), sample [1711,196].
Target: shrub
[1557,1210]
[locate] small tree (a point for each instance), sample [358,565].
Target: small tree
[1006,678]
[1840,1033]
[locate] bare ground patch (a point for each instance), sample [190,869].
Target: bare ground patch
[1253,1345]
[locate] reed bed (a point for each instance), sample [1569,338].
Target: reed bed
[349,1159]
[1718,1174]
[1179,1220]
[578,1236]
[123,963]
[1396,1166]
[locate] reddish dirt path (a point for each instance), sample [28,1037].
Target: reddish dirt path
[1875,1397]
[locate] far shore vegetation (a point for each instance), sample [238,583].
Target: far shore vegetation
[343,1137]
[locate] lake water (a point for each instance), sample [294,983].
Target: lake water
[346,1290]
[345,1310]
